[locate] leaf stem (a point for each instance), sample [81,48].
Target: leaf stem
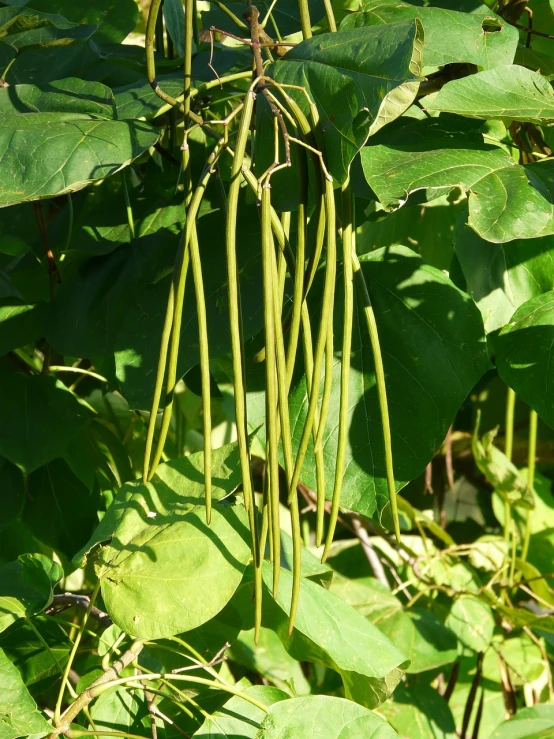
[74,648]
[305,22]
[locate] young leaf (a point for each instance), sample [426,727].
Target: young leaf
[322,717]
[360,79]
[451,37]
[523,354]
[19,715]
[508,93]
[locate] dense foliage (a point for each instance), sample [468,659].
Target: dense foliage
[276,377]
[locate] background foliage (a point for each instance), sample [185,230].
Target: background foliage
[118,603]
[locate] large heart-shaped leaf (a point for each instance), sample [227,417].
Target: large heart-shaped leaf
[504,93]
[424,321]
[38,418]
[58,140]
[19,715]
[359,79]
[501,278]
[506,201]
[480,38]
[322,717]
[152,527]
[523,354]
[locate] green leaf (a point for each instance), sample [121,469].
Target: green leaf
[426,641]
[329,632]
[121,709]
[324,717]
[424,321]
[114,19]
[22,28]
[419,712]
[480,38]
[138,99]
[501,278]
[13,492]
[472,622]
[522,655]
[270,660]
[360,79]
[438,155]
[285,13]
[523,354]
[534,722]
[26,587]
[508,93]
[174,16]
[503,475]
[20,324]
[60,511]
[238,718]
[39,665]
[38,418]
[150,527]
[19,715]
[64,143]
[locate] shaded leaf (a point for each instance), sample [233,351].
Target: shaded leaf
[533,722]
[38,417]
[20,324]
[501,278]
[238,718]
[423,321]
[26,587]
[121,709]
[523,354]
[419,712]
[22,28]
[13,492]
[138,99]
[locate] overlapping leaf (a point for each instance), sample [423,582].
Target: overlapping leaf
[506,201]
[359,79]
[153,526]
[59,139]
[26,587]
[480,38]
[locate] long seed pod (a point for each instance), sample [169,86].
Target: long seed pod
[286,438]
[270,287]
[326,314]
[178,288]
[347,248]
[235,322]
[381,385]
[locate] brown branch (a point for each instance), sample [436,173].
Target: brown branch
[82,602]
